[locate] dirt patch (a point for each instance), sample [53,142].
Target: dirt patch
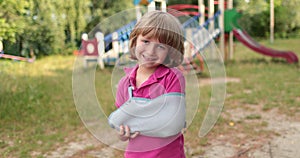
[275,135]
[85,145]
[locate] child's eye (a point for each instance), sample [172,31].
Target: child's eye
[161,46]
[145,41]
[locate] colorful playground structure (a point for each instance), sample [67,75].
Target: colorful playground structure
[16,58]
[107,49]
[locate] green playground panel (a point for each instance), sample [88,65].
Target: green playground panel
[231,17]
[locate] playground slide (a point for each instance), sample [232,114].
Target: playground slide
[244,37]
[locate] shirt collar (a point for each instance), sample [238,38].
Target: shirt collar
[160,72]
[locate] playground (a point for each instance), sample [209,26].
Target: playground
[260,115]
[261,110]
[220,20]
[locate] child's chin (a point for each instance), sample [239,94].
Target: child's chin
[150,64]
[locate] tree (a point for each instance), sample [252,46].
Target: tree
[256,19]
[51,27]
[11,21]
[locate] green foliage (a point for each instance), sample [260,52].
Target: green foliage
[55,27]
[51,27]
[256,17]
[256,24]
[7,31]
[11,20]
[103,9]
[171,2]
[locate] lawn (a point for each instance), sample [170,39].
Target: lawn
[37,110]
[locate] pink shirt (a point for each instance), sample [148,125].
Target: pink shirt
[163,80]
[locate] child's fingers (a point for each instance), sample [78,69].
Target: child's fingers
[121,132]
[127,131]
[135,134]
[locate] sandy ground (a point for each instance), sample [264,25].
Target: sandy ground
[283,144]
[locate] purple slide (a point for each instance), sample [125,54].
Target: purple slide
[243,37]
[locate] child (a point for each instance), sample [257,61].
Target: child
[156,43]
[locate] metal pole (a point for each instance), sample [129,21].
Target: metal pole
[211,11]
[221,25]
[230,56]
[201,9]
[272,21]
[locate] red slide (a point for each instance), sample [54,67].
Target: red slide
[243,37]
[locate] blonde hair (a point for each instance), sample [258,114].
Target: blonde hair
[167,29]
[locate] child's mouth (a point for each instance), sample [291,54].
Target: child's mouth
[146,58]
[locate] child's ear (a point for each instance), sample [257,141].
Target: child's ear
[167,61]
[132,53]
[174,58]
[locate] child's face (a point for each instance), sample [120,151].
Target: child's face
[150,52]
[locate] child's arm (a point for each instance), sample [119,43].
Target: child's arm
[124,132]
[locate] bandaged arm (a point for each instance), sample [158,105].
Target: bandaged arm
[163,116]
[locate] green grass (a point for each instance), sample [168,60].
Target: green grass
[36,105]
[269,82]
[37,110]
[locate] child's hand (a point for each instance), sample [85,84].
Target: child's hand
[124,133]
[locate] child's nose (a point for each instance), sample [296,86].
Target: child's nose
[151,49]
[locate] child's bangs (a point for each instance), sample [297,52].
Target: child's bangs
[164,36]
